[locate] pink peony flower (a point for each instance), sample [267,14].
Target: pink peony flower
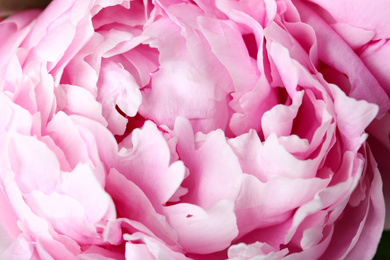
[197,129]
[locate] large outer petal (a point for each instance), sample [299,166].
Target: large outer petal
[359,75]
[363,14]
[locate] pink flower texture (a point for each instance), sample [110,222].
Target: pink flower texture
[204,129]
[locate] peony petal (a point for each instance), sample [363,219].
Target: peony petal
[375,57]
[273,152]
[254,251]
[12,32]
[33,226]
[82,185]
[65,214]
[21,249]
[154,247]
[9,230]
[354,36]
[117,87]
[137,251]
[100,253]
[35,166]
[228,45]
[215,173]
[14,118]
[265,204]
[65,134]
[133,204]
[351,65]
[360,14]
[279,119]
[334,197]
[147,163]
[177,89]
[247,148]
[362,223]
[81,102]
[352,118]
[203,231]
[373,226]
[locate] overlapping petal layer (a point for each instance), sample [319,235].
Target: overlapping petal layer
[197,129]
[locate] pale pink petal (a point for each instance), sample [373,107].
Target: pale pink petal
[273,152]
[66,136]
[247,148]
[138,251]
[9,230]
[133,204]
[203,231]
[120,11]
[287,55]
[256,250]
[82,185]
[20,249]
[173,129]
[83,69]
[177,89]
[101,253]
[361,14]
[146,162]
[141,61]
[228,45]
[44,92]
[117,87]
[34,226]
[52,26]
[102,146]
[79,101]
[255,209]
[352,117]
[12,32]
[14,118]
[82,141]
[355,37]
[279,119]
[316,251]
[358,231]
[256,10]
[54,43]
[65,214]
[252,106]
[372,227]
[157,249]
[359,75]
[375,57]
[334,197]
[214,170]
[33,172]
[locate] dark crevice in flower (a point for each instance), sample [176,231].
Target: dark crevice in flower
[251,44]
[283,96]
[336,77]
[306,121]
[134,122]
